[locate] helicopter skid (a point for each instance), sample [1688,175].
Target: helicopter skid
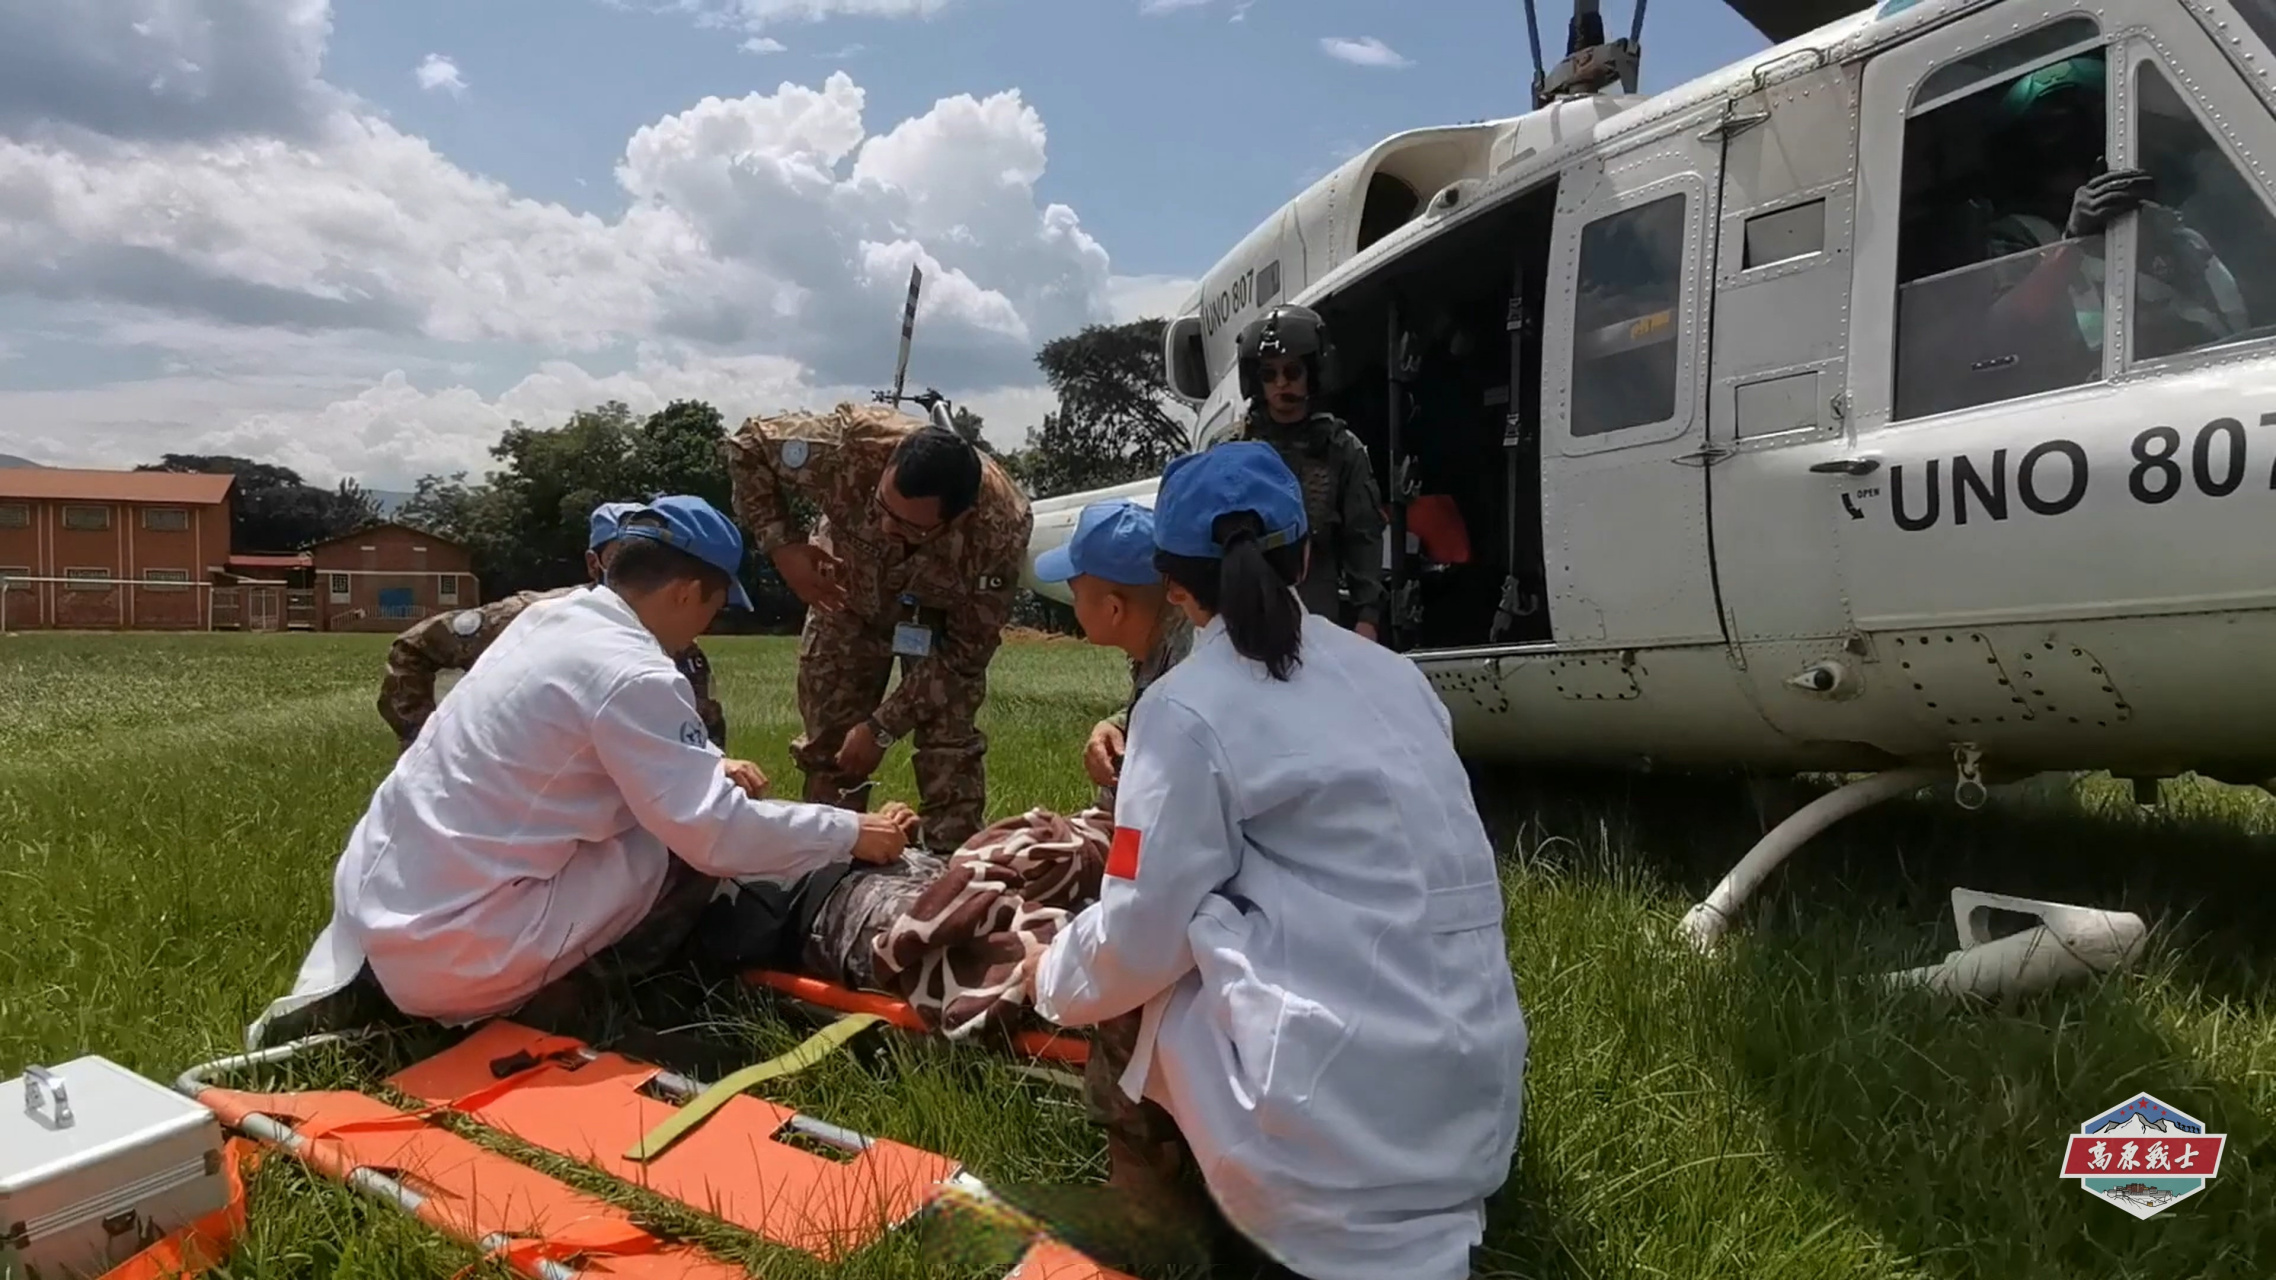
[1705,924]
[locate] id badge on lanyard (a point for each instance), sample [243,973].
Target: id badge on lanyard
[912,639]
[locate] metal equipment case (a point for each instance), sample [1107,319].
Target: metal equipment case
[95,1163]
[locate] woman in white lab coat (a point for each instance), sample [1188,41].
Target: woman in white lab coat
[1301,911]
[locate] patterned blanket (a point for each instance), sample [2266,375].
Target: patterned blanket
[954,954]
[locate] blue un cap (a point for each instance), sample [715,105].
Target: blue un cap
[1114,540]
[1245,475]
[604,524]
[696,527]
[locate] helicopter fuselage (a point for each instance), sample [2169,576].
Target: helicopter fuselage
[1744,432]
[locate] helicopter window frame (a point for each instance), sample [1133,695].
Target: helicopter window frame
[1990,70]
[2135,57]
[1889,135]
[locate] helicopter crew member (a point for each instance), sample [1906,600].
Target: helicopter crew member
[561,822]
[452,641]
[1121,603]
[1303,905]
[1284,355]
[2055,115]
[916,556]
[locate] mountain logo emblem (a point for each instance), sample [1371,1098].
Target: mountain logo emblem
[2143,1156]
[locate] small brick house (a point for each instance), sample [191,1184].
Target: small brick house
[384,577]
[110,550]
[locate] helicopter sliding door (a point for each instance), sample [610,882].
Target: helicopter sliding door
[1623,388]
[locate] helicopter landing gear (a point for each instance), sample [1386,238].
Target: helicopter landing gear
[1705,924]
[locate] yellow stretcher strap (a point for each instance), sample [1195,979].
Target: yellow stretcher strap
[810,1051]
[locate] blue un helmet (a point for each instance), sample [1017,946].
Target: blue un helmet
[1200,488]
[692,525]
[1113,541]
[603,528]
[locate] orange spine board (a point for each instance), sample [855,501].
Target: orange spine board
[469,1193]
[733,1167]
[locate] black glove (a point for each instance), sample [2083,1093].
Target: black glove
[2107,196]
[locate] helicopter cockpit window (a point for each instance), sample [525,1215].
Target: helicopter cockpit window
[1626,319]
[2202,274]
[1996,297]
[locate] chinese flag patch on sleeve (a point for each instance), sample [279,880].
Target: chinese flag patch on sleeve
[1122,855]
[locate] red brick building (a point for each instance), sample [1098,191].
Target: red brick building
[110,550]
[387,576]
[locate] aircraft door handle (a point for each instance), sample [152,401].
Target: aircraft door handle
[1847,466]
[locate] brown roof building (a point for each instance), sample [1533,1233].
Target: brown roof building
[110,550]
[384,577]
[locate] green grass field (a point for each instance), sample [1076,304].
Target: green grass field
[170,810]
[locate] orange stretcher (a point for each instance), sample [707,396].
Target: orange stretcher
[1058,1046]
[478,1197]
[557,1094]
[736,1167]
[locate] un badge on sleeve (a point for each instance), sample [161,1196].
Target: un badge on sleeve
[794,454]
[692,733]
[467,622]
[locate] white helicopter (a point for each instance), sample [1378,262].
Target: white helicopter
[1773,450]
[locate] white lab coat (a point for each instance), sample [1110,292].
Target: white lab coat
[528,826]
[1314,930]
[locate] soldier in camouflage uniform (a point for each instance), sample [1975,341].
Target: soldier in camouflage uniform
[1108,565]
[916,556]
[1283,355]
[452,641]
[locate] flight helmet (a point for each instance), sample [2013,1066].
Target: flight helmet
[1285,330]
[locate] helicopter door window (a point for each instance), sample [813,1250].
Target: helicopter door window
[1994,301]
[2202,272]
[1625,320]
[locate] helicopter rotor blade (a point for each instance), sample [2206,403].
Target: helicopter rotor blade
[908,330]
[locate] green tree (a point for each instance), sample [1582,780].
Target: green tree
[274,509]
[1115,423]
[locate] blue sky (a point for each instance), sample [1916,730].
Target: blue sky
[1171,133]
[357,238]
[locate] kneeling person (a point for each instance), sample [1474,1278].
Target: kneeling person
[1297,952]
[1122,604]
[563,814]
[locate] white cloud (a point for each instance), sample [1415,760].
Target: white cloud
[1168,6]
[763,44]
[757,15]
[438,73]
[289,274]
[1366,51]
[1142,297]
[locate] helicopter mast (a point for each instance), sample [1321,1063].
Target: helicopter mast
[934,403]
[1591,62]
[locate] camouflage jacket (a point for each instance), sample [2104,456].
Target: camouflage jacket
[452,641]
[963,578]
[1342,504]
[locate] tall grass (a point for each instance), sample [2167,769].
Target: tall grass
[170,809]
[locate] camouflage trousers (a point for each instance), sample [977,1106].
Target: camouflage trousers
[844,664]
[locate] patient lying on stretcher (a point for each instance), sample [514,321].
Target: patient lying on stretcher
[944,934]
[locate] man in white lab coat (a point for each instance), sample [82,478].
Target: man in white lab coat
[563,817]
[1302,907]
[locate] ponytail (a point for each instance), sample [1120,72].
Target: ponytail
[1251,588]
